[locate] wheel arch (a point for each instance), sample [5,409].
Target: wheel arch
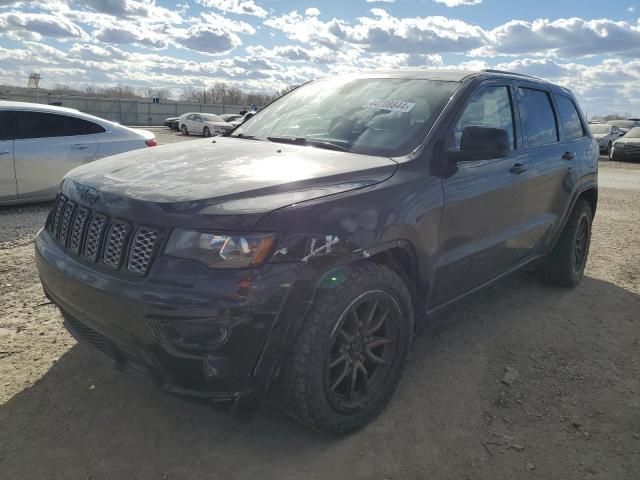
[399,256]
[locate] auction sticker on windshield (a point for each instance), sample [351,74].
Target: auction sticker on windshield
[391,105]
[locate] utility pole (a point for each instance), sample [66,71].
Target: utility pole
[204,92]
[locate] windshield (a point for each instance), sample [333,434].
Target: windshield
[622,123]
[596,129]
[633,133]
[211,118]
[372,116]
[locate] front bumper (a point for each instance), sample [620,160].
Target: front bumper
[624,154]
[201,335]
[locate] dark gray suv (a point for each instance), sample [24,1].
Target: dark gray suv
[300,252]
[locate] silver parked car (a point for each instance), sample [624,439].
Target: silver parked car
[206,124]
[39,144]
[605,134]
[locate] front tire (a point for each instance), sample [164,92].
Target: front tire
[609,150]
[565,265]
[184,130]
[348,357]
[206,132]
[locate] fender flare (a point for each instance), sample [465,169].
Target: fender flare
[299,301]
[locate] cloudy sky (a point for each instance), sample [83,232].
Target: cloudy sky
[590,46]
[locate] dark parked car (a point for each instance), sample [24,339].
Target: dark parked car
[300,252]
[627,147]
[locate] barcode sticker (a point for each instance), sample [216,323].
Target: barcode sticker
[391,105]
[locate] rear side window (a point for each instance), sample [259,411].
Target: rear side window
[45,125]
[7,125]
[570,119]
[490,107]
[78,126]
[539,118]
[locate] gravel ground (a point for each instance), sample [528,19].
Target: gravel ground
[569,407]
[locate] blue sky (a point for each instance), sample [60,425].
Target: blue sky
[591,47]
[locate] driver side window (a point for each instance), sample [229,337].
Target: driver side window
[490,107]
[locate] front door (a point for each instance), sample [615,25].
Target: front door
[8,189]
[481,223]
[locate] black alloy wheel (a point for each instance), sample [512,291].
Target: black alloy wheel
[363,346]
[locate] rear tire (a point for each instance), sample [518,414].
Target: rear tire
[364,324]
[564,265]
[184,130]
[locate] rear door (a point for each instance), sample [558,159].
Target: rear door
[553,157]
[481,223]
[8,189]
[47,146]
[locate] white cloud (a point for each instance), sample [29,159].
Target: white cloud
[458,3]
[568,38]
[33,26]
[242,7]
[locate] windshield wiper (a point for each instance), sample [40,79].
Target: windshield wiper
[242,135]
[311,143]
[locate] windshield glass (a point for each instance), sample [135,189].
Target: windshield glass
[622,123]
[595,129]
[633,133]
[372,116]
[211,118]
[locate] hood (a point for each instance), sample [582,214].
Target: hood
[231,176]
[224,125]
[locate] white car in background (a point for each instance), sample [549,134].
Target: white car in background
[39,144]
[605,134]
[206,124]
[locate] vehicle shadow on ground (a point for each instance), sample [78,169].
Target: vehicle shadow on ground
[85,420]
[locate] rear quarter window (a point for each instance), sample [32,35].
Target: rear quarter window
[569,118]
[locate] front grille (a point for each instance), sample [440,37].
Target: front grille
[632,148]
[113,243]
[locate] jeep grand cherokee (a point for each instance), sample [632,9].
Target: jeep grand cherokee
[300,252]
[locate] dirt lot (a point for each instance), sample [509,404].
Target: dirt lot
[572,412]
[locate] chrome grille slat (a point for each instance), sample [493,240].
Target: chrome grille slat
[79,222]
[65,222]
[142,250]
[114,244]
[94,236]
[57,216]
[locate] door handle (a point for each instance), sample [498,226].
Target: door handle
[568,156]
[79,146]
[518,168]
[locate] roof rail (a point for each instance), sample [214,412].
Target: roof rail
[505,72]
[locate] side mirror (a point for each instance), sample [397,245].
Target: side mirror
[481,143]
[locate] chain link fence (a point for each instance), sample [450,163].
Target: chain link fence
[127,112]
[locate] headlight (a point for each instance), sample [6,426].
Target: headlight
[618,145]
[221,251]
